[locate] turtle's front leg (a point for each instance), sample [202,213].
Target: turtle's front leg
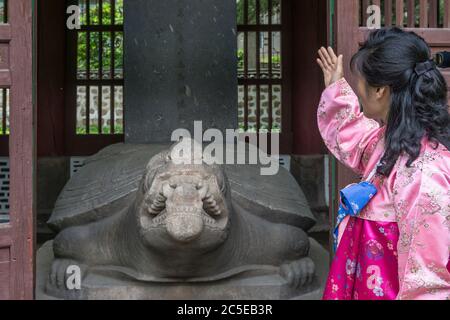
[73,244]
[91,244]
[69,248]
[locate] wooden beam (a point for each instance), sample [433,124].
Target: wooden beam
[433,13]
[423,13]
[388,13]
[365,16]
[400,12]
[435,37]
[346,31]
[5,32]
[446,14]
[22,149]
[411,13]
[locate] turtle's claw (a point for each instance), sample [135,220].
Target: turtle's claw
[63,273]
[298,273]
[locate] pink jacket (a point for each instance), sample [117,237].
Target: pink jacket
[417,198]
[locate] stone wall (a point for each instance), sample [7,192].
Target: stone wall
[264,109]
[118,106]
[106,106]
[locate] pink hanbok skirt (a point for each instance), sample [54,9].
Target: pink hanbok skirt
[366,265]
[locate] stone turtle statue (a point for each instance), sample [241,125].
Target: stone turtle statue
[133,213]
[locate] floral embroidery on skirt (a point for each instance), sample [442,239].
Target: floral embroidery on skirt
[366,263]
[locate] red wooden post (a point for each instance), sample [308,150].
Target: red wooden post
[365,16]
[446,14]
[388,13]
[309,26]
[433,13]
[424,13]
[347,44]
[17,238]
[411,13]
[399,12]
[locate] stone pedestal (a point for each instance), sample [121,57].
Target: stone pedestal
[263,287]
[180,66]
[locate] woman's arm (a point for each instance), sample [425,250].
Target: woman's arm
[344,129]
[347,133]
[422,202]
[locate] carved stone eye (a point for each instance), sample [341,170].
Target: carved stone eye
[199,186]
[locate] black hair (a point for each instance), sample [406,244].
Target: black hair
[396,58]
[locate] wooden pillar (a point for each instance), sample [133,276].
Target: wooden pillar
[309,27]
[21,151]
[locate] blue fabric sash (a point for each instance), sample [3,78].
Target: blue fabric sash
[353,199]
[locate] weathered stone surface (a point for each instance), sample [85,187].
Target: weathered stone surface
[111,178]
[185,224]
[180,68]
[263,287]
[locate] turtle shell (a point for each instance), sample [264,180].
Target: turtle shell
[104,185]
[276,198]
[108,181]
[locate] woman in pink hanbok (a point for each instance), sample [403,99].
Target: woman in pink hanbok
[393,234]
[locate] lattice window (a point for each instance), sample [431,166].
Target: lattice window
[409,13]
[3,11]
[260,72]
[99,70]
[4,92]
[4,131]
[4,111]
[4,190]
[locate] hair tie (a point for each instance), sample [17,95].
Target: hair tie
[423,67]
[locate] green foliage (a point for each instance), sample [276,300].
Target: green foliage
[94,50]
[264,9]
[106,38]
[276,59]
[3,15]
[7,132]
[240,56]
[94,129]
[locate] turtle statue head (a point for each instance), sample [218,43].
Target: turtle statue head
[183,203]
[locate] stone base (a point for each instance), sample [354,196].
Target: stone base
[266,287]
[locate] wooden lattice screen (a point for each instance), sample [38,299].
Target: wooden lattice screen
[95,78]
[263,40]
[429,18]
[409,13]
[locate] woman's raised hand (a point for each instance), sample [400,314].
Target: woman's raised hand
[331,65]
